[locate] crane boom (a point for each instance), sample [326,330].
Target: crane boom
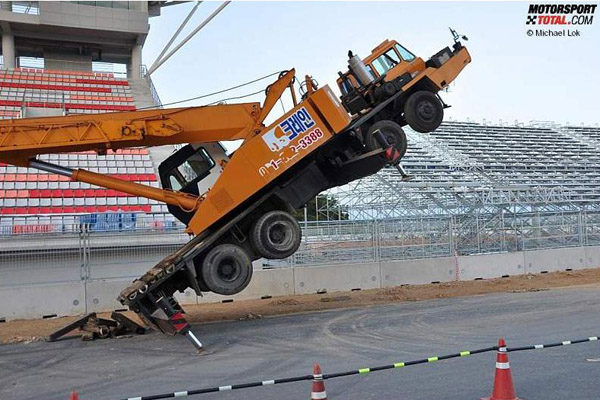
[23,139]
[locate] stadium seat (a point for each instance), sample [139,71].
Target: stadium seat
[27,193]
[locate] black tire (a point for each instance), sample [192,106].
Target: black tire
[393,133]
[276,235]
[226,269]
[423,111]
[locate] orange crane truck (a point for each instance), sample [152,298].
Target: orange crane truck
[238,207]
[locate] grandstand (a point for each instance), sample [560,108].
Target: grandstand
[92,64]
[486,188]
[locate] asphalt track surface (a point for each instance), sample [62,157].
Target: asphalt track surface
[341,340]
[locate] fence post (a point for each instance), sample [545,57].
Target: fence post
[503,246]
[376,240]
[451,244]
[581,229]
[522,237]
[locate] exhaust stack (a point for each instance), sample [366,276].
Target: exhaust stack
[359,69]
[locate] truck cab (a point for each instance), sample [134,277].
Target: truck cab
[192,169]
[388,61]
[392,71]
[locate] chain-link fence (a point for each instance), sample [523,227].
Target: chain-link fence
[111,250]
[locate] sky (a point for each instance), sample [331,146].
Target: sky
[512,77]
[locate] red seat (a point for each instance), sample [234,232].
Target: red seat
[55,87]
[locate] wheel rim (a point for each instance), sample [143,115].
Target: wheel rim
[228,270]
[391,138]
[280,235]
[426,110]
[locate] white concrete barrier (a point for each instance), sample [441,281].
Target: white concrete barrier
[592,256]
[414,272]
[37,301]
[56,287]
[336,277]
[486,266]
[268,282]
[554,259]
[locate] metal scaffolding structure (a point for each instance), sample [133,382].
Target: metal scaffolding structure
[490,182]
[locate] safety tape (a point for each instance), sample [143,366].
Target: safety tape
[502,365]
[318,395]
[362,371]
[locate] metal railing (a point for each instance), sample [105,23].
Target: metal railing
[130,223]
[25,7]
[110,241]
[153,91]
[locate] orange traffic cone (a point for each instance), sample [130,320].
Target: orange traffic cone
[318,386]
[74,396]
[503,383]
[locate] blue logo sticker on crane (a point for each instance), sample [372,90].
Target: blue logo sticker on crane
[288,129]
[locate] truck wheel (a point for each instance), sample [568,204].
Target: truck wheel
[393,133]
[423,111]
[226,269]
[276,235]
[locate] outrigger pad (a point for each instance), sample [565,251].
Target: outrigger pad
[93,327]
[54,336]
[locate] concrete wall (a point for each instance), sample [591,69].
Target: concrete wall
[415,272]
[90,17]
[554,259]
[68,62]
[37,301]
[486,266]
[58,287]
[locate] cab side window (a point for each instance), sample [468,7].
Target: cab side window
[386,61]
[197,165]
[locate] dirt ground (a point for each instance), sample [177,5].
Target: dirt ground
[33,330]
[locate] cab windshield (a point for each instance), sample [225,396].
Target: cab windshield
[405,54]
